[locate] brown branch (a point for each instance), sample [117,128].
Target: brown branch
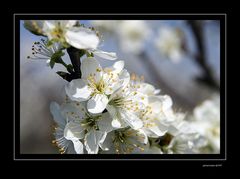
[208,77]
[75,59]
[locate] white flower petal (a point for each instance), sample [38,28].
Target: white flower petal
[57,115]
[142,137]
[77,90]
[105,55]
[97,103]
[92,140]
[147,89]
[78,146]
[116,123]
[105,123]
[107,143]
[173,130]
[74,130]
[69,23]
[157,91]
[156,130]
[48,62]
[82,38]
[155,103]
[131,119]
[167,102]
[118,66]
[48,26]
[151,150]
[149,133]
[101,141]
[91,67]
[160,103]
[124,77]
[141,99]
[113,113]
[78,110]
[121,81]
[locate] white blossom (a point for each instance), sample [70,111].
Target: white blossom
[132,34]
[41,51]
[169,42]
[82,126]
[124,105]
[96,84]
[64,134]
[125,141]
[68,32]
[206,121]
[180,144]
[106,25]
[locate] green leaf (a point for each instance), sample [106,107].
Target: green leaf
[89,54]
[57,55]
[56,58]
[52,63]
[70,68]
[64,75]
[59,40]
[82,52]
[65,44]
[49,43]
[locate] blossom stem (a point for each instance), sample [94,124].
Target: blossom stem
[65,65]
[75,59]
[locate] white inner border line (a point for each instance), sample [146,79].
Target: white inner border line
[100,14]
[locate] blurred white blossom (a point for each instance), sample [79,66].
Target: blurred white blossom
[206,121]
[132,35]
[169,42]
[106,25]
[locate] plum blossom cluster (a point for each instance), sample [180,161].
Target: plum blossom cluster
[107,110]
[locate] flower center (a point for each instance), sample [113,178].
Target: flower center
[90,122]
[122,143]
[98,87]
[57,32]
[117,102]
